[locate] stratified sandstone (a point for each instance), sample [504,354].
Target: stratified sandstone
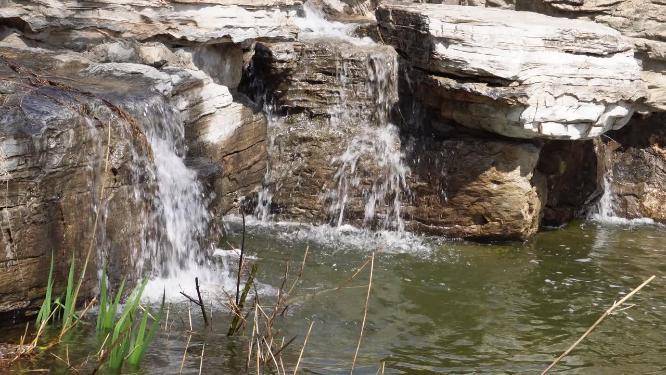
[60,108]
[331,158]
[475,188]
[54,143]
[78,26]
[526,76]
[330,78]
[642,21]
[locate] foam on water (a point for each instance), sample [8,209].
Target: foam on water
[174,233]
[314,25]
[344,237]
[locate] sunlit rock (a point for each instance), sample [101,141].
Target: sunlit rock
[634,162]
[642,21]
[526,76]
[77,26]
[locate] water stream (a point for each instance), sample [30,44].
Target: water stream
[371,165]
[604,210]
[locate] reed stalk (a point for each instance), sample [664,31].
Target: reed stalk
[365,312]
[593,326]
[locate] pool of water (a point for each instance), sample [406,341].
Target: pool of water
[435,306]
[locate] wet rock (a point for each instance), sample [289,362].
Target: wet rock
[570,168]
[53,149]
[637,168]
[233,139]
[475,188]
[330,78]
[332,162]
[574,79]
[642,21]
[54,146]
[459,188]
[78,26]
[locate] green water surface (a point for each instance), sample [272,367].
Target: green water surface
[436,307]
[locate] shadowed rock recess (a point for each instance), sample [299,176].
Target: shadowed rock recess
[483,120]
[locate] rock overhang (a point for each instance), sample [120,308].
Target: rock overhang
[521,75]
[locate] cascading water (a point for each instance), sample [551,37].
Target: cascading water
[179,222]
[370,166]
[604,210]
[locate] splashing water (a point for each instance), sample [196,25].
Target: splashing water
[604,211]
[178,225]
[377,149]
[370,166]
[314,25]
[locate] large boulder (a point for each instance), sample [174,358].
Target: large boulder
[642,21]
[67,154]
[526,76]
[476,188]
[65,114]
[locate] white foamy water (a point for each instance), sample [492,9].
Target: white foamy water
[604,211]
[380,148]
[172,254]
[345,237]
[314,25]
[373,146]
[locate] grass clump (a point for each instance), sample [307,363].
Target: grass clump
[126,337]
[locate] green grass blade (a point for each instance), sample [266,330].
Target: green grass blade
[70,304]
[123,328]
[111,313]
[45,309]
[142,343]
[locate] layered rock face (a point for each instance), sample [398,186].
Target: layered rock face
[66,152]
[642,21]
[80,26]
[336,159]
[61,104]
[333,79]
[475,188]
[531,76]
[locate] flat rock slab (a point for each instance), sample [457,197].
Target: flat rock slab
[77,25]
[643,21]
[522,75]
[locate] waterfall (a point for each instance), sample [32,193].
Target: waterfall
[605,210]
[378,144]
[178,224]
[371,165]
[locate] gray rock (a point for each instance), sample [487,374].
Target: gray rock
[77,26]
[531,76]
[643,21]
